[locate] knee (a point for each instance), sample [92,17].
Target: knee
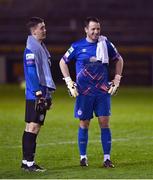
[104,122]
[33,128]
[104,126]
[84,124]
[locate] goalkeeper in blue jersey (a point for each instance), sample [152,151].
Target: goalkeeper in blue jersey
[92,88]
[39,86]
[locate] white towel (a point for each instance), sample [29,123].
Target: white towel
[101,51]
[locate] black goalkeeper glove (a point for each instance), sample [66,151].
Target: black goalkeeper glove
[41,104]
[49,103]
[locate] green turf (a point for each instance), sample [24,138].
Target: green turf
[132,132]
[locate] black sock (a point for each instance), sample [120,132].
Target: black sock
[29,145]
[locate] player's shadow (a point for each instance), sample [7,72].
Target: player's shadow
[76,166]
[131,164]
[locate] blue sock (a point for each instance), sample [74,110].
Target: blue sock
[82,140]
[106,140]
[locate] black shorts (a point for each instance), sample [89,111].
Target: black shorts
[31,115]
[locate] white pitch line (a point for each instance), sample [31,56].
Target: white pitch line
[75,142]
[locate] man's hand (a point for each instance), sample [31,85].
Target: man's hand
[40,103]
[71,85]
[114,84]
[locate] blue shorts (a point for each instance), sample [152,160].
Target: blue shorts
[87,105]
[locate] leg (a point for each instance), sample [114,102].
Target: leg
[34,121]
[83,141]
[84,112]
[105,134]
[29,140]
[105,139]
[29,147]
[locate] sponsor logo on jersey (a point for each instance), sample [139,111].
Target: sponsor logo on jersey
[69,51]
[30,56]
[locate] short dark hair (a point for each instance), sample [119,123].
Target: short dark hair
[33,21]
[91,18]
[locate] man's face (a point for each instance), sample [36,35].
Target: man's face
[39,31]
[93,31]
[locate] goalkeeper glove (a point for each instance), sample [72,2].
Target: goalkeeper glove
[114,84]
[40,103]
[49,103]
[71,85]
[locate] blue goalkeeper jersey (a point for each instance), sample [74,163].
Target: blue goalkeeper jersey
[31,77]
[91,77]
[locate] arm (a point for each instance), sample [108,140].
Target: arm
[119,66]
[64,68]
[33,78]
[30,70]
[118,74]
[70,84]
[41,104]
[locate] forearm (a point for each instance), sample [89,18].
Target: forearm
[118,75]
[119,66]
[64,68]
[70,84]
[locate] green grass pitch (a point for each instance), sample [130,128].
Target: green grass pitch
[132,133]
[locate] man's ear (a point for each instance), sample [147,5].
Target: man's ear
[86,29]
[33,30]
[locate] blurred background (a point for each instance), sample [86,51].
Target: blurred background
[127,23]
